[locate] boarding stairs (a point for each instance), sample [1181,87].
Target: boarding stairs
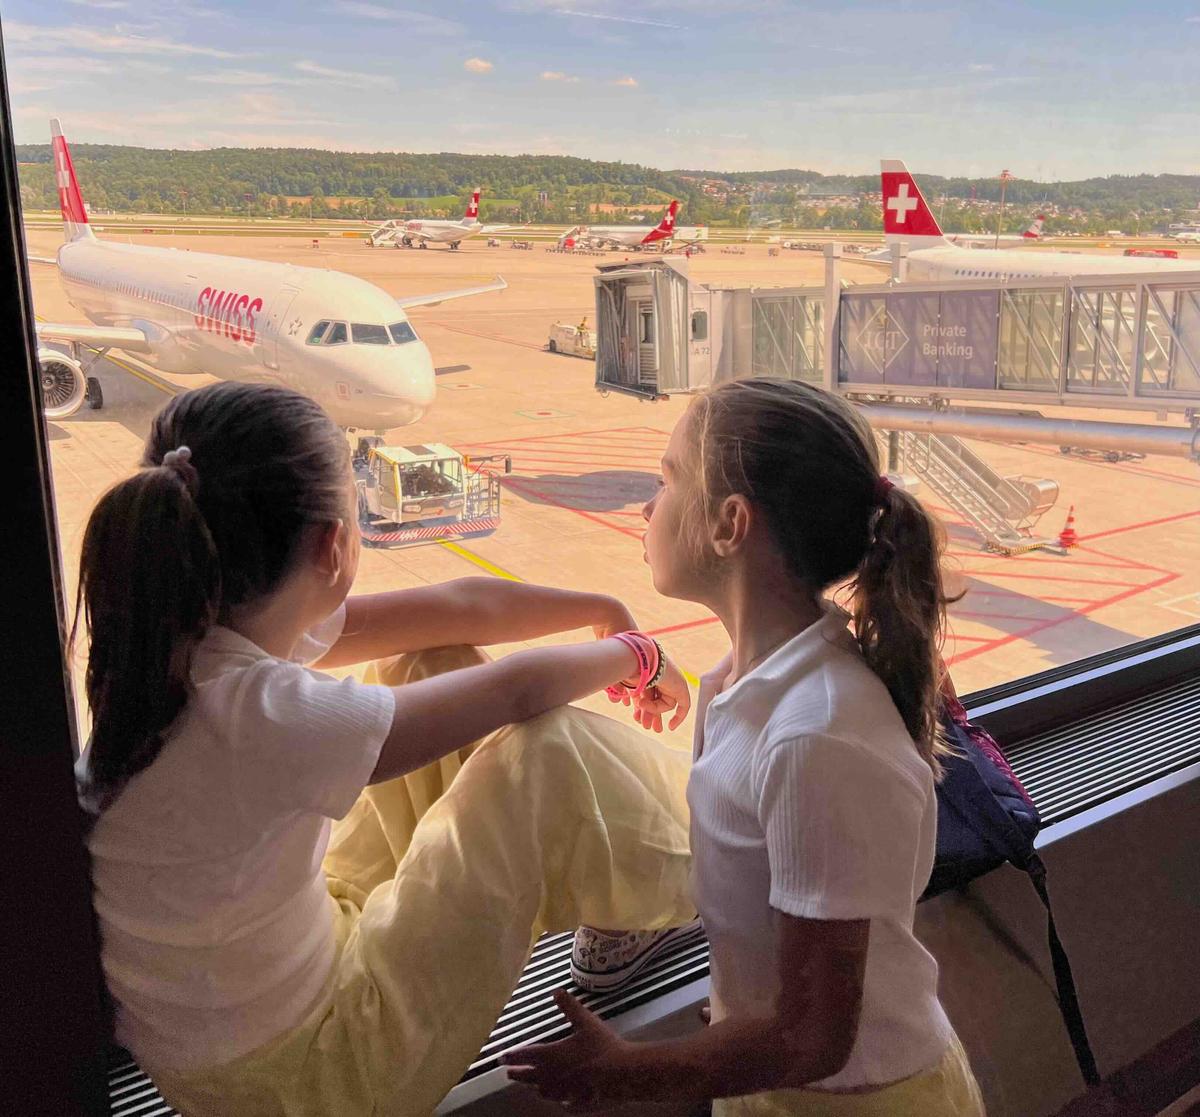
[1004,510]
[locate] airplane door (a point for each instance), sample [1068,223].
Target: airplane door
[278,326]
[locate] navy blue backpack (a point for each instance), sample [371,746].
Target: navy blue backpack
[986,818]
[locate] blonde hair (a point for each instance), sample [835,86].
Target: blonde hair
[809,463]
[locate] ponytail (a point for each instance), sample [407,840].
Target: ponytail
[899,610]
[232,477]
[150,588]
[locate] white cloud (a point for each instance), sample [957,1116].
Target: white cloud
[345,77]
[617,19]
[627,82]
[557,75]
[981,67]
[414,22]
[247,79]
[74,39]
[477,65]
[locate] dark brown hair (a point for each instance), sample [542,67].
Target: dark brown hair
[808,461]
[171,550]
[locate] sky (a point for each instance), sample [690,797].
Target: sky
[1050,92]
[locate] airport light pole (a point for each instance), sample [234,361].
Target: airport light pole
[1004,177]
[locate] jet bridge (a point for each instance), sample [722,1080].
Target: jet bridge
[1128,342]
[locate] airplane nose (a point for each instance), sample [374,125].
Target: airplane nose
[405,386]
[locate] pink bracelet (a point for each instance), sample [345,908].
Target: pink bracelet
[647,653]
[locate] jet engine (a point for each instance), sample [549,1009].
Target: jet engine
[64,384]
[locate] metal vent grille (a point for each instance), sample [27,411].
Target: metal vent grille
[131,1093]
[1080,765]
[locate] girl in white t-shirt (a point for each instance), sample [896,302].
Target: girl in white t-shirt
[258,966]
[812,789]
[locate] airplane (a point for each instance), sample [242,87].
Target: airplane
[337,338]
[907,219]
[1186,238]
[637,236]
[986,240]
[420,233]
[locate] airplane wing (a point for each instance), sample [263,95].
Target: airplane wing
[99,337]
[500,228]
[497,284]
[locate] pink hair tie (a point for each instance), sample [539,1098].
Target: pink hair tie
[649,658]
[882,487]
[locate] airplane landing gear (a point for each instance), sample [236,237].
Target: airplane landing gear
[454,244]
[94,394]
[406,241]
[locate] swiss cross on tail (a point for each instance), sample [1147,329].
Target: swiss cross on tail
[70,199]
[666,227]
[472,209]
[906,217]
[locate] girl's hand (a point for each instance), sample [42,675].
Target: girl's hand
[672,693]
[589,1067]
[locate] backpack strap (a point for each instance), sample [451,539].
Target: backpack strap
[985,814]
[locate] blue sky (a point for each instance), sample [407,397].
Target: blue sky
[953,88]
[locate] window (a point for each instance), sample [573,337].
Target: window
[317,332]
[337,334]
[369,334]
[699,325]
[402,332]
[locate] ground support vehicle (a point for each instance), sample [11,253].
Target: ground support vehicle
[421,494]
[575,341]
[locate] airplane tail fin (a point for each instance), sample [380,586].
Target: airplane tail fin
[70,198]
[1034,232]
[666,227]
[906,215]
[472,213]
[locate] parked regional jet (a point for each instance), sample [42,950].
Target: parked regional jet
[335,337]
[988,240]
[634,236]
[421,233]
[908,219]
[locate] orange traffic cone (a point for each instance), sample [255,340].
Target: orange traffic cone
[1067,537]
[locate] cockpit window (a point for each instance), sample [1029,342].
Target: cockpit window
[337,334]
[402,332]
[318,332]
[369,334]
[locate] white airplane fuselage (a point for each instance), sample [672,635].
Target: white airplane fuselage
[950,262]
[240,319]
[441,232]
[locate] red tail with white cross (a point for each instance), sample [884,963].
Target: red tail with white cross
[472,213]
[70,198]
[906,216]
[666,227]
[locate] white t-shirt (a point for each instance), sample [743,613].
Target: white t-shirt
[808,797]
[216,926]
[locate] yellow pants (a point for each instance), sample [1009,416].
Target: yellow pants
[443,880]
[949,1090]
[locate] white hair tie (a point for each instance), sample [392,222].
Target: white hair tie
[180,456]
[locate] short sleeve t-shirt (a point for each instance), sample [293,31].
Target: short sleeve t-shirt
[216,925]
[808,798]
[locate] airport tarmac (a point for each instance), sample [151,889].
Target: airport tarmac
[584,464]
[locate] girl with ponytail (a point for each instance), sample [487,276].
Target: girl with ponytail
[261,959]
[813,812]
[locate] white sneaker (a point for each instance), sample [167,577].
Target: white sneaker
[601,963]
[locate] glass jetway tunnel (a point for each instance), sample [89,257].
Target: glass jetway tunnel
[1128,342]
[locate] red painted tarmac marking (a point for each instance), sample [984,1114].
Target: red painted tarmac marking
[1045,578]
[969,639]
[518,485]
[1074,614]
[1122,467]
[560,435]
[704,621]
[1140,526]
[975,614]
[1057,561]
[973,593]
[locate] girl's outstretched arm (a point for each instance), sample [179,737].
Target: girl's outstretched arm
[806,1038]
[476,611]
[438,715]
